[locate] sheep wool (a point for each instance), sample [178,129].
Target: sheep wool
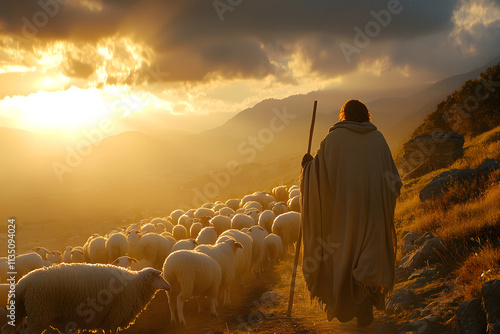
[243,256]
[97,250]
[207,236]
[273,249]
[258,234]
[191,274]
[179,232]
[185,244]
[241,220]
[154,248]
[221,223]
[65,296]
[287,226]
[266,220]
[195,230]
[117,245]
[224,254]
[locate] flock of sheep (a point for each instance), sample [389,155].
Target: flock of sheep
[107,282]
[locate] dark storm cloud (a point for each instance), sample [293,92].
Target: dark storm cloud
[243,38]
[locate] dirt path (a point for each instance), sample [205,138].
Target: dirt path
[249,315]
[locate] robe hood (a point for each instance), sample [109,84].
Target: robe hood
[363,127]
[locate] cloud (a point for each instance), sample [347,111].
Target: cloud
[138,42]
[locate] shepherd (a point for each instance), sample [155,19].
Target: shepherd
[349,192]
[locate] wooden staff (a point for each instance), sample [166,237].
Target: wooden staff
[299,241]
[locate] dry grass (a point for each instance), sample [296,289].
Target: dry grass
[477,268]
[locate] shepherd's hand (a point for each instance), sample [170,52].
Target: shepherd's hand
[306,159]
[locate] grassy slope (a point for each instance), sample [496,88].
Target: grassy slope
[467,218]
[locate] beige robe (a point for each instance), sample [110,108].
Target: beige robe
[349,193]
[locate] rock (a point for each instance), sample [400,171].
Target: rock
[426,153]
[441,183]
[470,318]
[400,300]
[491,303]
[427,253]
[419,241]
[269,296]
[410,237]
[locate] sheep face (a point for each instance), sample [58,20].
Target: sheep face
[157,280]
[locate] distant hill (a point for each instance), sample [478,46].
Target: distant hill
[472,109]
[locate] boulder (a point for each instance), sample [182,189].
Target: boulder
[426,153]
[440,184]
[399,300]
[470,318]
[491,303]
[429,252]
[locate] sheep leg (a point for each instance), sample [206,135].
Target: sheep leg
[199,304]
[173,307]
[226,293]
[180,310]
[213,302]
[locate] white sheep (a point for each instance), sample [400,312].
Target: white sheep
[262,197]
[97,250]
[294,192]
[24,263]
[179,232]
[226,211]
[266,220]
[240,221]
[133,227]
[243,256]
[219,206]
[287,226]
[253,205]
[147,228]
[175,216]
[294,203]
[67,254]
[258,234]
[54,257]
[185,244]
[154,248]
[191,273]
[96,297]
[221,223]
[224,254]
[207,236]
[124,261]
[280,193]
[273,249]
[186,221]
[116,246]
[160,228]
[233,204]
[195,230]
[204,212]
[208,205]
[42,251]
[77,255]
[133,237]
[280,208]
[255,214]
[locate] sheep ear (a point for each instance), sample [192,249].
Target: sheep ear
[238,245]
[156,273]
[133,260]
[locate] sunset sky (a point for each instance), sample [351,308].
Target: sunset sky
[67,64]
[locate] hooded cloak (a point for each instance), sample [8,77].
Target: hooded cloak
[349,193]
